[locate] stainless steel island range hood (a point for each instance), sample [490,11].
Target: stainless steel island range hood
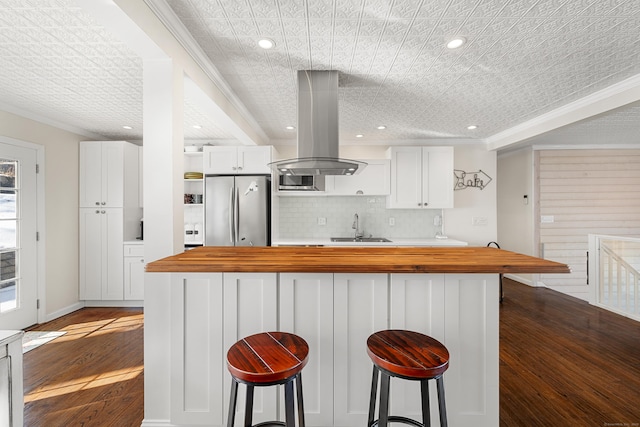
[318,129]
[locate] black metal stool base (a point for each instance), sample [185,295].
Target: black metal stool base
[383,411]
[288,403]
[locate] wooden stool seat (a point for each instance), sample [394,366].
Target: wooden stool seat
[408,355]
[265,359]
[268,357]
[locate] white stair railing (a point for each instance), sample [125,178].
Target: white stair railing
[616,261]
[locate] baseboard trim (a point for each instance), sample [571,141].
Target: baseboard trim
[156,423]
[64,311]
[113,303]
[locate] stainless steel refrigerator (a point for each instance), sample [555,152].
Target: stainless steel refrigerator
[237,210]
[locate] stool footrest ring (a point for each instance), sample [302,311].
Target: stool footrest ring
[397,419]
[270,423]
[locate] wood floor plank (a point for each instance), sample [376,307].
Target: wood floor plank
[92,375]
[563,362]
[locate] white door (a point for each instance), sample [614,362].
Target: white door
[18,251]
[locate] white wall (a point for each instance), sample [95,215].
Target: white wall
[515,218]
[473,203]
[61,207]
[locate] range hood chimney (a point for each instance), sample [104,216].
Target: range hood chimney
[318,129]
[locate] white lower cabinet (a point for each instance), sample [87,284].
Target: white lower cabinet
[101,254]
[335,314]
[133,272]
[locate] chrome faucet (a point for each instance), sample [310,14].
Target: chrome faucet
[356,226]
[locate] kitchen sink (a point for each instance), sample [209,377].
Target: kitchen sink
[360,239]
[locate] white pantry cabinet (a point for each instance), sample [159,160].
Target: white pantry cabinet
[110,214]
[373,180]
[105,167]
[421,178]
[101,254]
[237,160]
[134,271]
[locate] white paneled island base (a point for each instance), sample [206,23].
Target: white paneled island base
[334,313]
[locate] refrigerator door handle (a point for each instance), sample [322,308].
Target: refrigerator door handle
[231,215]
[237,215]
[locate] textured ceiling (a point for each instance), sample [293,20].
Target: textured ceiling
[523,58]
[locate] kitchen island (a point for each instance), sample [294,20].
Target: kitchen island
[334,297]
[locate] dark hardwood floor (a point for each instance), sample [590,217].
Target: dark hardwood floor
[562,363]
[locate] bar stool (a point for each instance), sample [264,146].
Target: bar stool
[410,356]
[265,359]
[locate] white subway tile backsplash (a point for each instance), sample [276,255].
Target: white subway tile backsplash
[299,218]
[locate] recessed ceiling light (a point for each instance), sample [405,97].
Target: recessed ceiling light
[359,135]
[266,43]
[196,127]
[127,127]
[472,127]
[456,42]
[382,127]
[290,128]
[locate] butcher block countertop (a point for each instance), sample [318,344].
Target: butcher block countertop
[290,259]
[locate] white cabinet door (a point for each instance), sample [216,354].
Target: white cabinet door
[254,160]
[102,174]
[133,272]
[360,309]
[236,160]
[306,302]
[421,177]
[101,254]
[113,254]
[220,160]
[90,254]
[437,172]
[373,180]
[406,178]
[250,307]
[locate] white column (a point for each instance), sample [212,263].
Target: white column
[163,220]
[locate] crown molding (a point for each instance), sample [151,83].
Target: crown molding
[614,96]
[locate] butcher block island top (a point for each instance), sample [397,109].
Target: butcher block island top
[292,259]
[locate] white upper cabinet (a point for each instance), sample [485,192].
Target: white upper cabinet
[373,180]
[421,178]
[108,174]
[237,160]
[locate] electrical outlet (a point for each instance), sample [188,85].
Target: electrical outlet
[392,221]
[322,221]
